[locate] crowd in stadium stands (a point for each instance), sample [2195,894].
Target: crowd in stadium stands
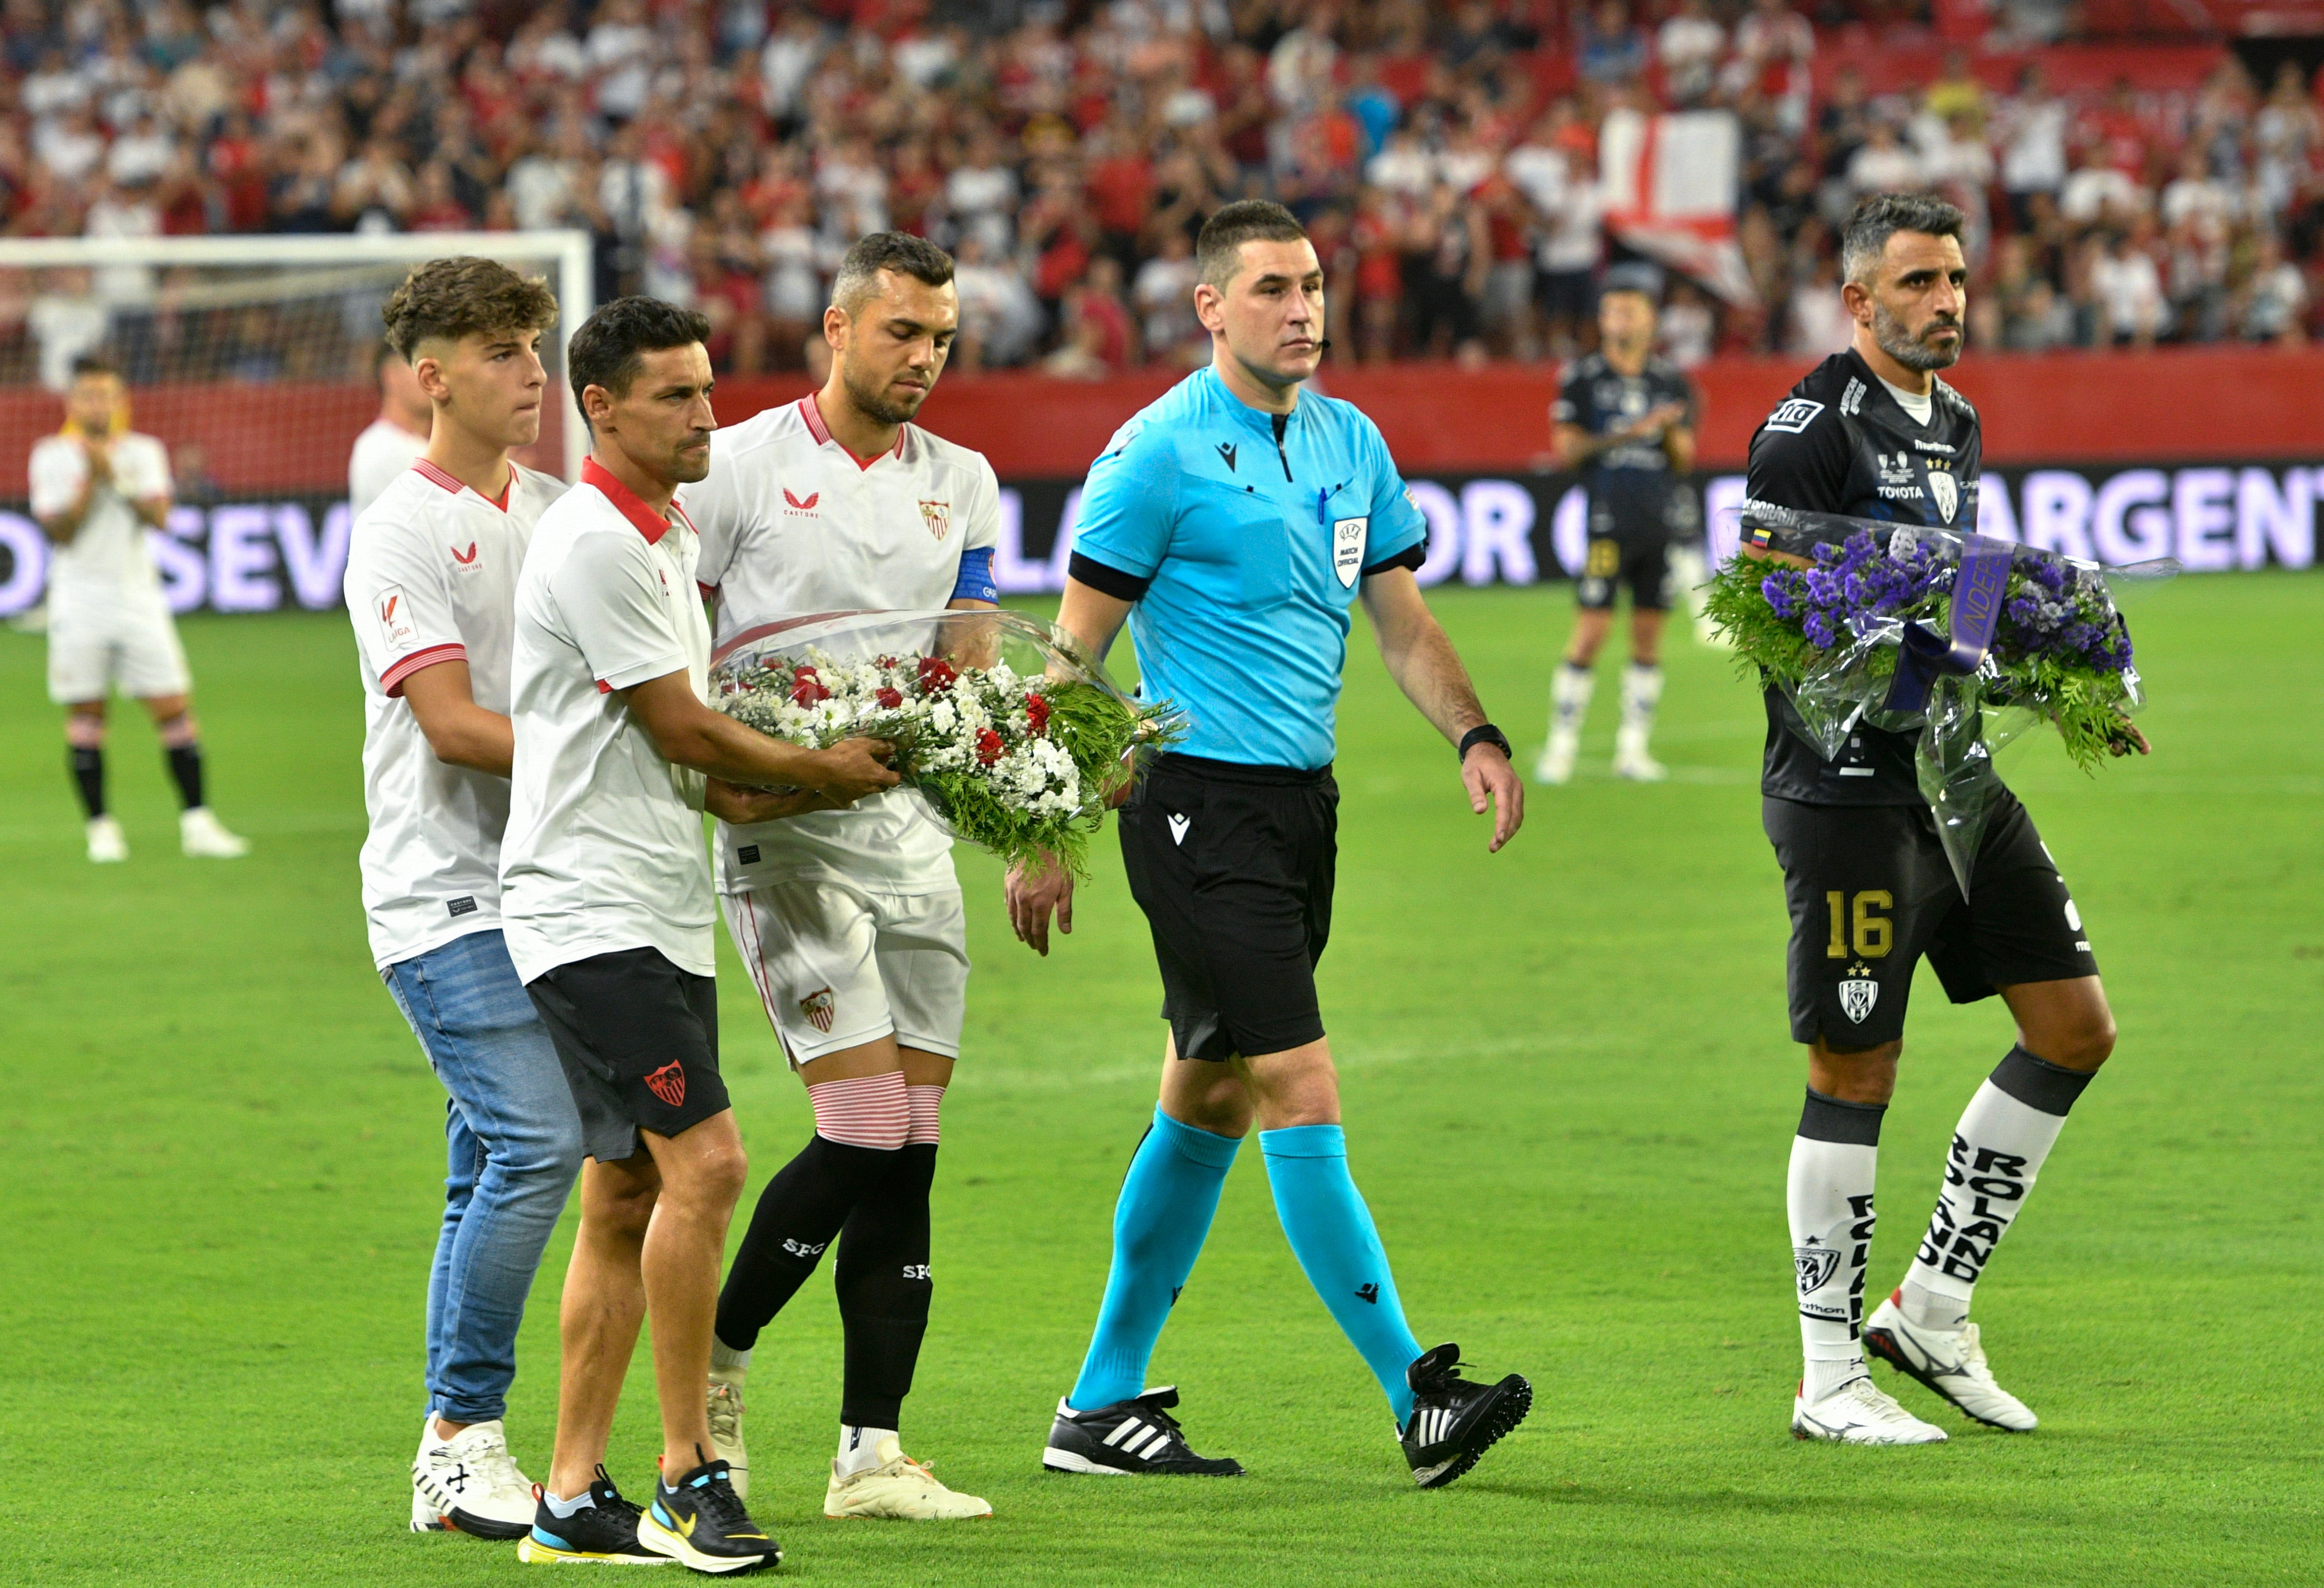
[724,153]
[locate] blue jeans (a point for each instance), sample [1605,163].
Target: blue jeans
[512,1138]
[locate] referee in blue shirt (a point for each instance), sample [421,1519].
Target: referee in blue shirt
[1233,523]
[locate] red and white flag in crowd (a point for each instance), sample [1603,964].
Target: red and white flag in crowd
[1670,183]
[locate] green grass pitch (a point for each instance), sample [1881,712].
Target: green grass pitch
[1570,1095]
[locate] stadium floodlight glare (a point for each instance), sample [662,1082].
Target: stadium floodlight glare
[207,325]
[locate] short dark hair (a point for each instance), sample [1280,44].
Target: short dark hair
[1218,250]
[459,296]
[610,347]
[1880,217]
[95,364]
[901,251]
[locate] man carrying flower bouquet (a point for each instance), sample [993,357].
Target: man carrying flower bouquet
[1872,433]
[1233,523]
[850,921]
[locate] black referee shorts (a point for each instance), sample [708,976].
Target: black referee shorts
[1234,867]
[638,1039]
[1870,892]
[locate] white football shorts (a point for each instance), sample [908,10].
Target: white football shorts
[838,965]
[136,653]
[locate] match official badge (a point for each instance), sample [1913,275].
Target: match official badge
[937,516]
[1947,492]
[818,1007]
[668,1084]
[1815,1266]
[1348,536]
[1858,993]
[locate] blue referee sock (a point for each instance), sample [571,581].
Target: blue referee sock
[1167,1201]
[1332,1235]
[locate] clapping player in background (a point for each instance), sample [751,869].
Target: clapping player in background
[1624,421]
[1873,433]
[850,921]
[1233,523]
[431,575]
[98,488]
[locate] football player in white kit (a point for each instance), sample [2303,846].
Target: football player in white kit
[850,921]
[390,443]
[98,488]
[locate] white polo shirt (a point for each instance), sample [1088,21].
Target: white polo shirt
[104,574]
[384,451]
[431,577]
[793,523]
[602,852]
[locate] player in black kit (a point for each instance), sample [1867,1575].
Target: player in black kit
[1873,433]
[1624,420]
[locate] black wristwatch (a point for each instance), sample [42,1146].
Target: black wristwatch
[1486,734]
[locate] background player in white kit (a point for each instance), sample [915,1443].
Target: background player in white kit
[98,488]
[432,586]
[390,443]
[851,921]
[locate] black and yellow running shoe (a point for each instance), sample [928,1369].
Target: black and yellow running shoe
[699,1522]
[605,1530]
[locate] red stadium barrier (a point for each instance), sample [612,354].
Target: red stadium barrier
[2211,404]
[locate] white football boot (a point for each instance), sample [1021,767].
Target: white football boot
[899,1489]
[1951,1363]
[201,836]
[1858,1414]
[727,1429]
[107,842]
[1554,765]
[472,1481]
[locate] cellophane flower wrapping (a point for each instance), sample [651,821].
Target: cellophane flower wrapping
[1829,636]
[1013,739]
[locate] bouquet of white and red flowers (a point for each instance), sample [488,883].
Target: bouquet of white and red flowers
[1014,740]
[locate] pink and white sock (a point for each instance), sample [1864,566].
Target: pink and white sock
[923,1102]
[863,1111]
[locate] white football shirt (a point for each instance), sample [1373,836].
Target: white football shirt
[431,577]
[603,852]
[381,453]
[105,571]
[793,523]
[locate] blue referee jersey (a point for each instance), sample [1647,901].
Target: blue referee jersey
[1242,538]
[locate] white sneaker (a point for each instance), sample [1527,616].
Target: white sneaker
[1858,1414]
[1554,765]
[1950,1364]
[200,834]
[107,842]
[472,1481]
[727,1429]
[899,1489]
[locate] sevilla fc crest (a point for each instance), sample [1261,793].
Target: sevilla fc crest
[668,1084]
[1857,998]
[1945,491]
[1815,1266]
[818,1007]
[937,516]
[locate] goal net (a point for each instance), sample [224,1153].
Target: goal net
[256,362]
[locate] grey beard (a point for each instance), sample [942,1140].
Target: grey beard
[1907,349]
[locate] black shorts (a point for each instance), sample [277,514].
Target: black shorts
[1870,892]
[1641,562]
[1234,867]
[638,1040]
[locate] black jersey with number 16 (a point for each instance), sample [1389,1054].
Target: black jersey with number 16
[1843,442]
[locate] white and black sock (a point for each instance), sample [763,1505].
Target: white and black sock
[1642,693]
[1999,1147]
[1569,689]
[1834,1159]
[859,1448]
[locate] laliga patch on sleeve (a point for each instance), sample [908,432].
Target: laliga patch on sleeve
[1794,415]
[394,615]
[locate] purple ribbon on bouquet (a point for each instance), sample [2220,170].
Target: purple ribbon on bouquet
[1978,591]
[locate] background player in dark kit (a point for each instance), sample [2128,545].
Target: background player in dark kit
[1624,420]
[1873,433]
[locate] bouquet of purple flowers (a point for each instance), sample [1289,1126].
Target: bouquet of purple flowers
[1964,639]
